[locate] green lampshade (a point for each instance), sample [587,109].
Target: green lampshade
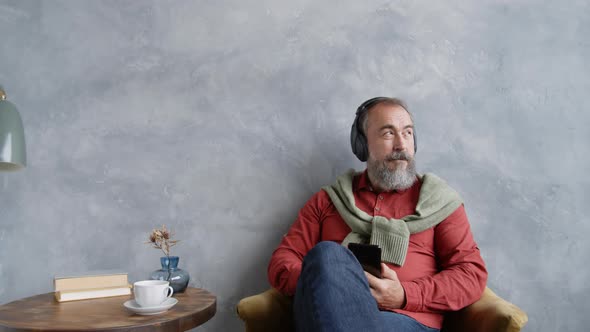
[13,154]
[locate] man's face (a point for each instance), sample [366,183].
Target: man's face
[390,139]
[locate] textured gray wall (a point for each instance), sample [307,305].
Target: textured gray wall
[220,119]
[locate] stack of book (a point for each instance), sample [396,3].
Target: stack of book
[91,286]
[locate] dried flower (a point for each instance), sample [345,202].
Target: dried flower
[162,239]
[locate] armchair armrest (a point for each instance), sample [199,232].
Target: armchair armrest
[489,314]
[269,311]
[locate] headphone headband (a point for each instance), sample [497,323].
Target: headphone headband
[365,106]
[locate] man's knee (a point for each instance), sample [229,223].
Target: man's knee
[327,250]
[327,260]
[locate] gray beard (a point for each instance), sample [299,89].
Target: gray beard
[397,179]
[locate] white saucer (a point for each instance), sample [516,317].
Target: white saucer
[134,307]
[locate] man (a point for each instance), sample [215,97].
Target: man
[431,264]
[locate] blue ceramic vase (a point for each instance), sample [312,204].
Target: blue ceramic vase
[178,278]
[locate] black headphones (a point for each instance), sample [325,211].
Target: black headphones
[358,140]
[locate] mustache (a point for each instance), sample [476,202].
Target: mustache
[399,155]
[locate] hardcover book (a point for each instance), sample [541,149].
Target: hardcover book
[83,294]
[91,281]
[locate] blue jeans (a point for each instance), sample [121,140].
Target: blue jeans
[333,295]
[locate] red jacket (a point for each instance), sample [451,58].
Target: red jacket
[443,271]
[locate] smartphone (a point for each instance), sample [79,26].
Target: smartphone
[369,255]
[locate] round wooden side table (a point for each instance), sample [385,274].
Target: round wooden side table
[42,313]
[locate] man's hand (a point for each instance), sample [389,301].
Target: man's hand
[388,291]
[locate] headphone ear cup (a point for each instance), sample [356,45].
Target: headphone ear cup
[362,147]
[358,142]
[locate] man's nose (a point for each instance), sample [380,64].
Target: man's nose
[399,144]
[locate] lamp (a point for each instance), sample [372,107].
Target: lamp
[13,154]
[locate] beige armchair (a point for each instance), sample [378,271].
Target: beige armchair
[271,311]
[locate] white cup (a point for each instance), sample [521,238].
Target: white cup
[151,293]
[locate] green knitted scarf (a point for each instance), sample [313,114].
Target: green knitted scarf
[436,202]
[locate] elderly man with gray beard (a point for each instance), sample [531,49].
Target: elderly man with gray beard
[430,261]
